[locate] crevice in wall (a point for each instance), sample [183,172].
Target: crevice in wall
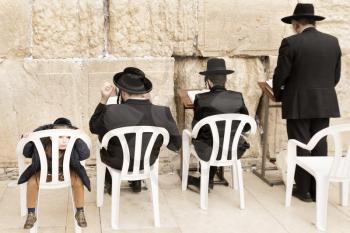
[106,27]
[31,30]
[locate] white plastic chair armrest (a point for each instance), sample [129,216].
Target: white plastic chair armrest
[299,144]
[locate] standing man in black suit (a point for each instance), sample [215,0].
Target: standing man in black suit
[135,110]
[308,69]
[217,101]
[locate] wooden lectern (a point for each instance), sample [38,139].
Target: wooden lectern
[267,96]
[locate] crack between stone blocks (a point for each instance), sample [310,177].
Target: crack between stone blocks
[106,24]
[31,30]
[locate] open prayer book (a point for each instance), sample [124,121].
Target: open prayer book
[192,94]
[269,85]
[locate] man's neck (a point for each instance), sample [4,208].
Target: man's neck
[306,26]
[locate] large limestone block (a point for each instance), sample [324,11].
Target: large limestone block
[15,28]
[248,71]
[343,88]
[152,27]
[68,29]
[36,92]
[159,70]
[235,27]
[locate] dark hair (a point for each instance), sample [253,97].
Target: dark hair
[306,21]
[217,79]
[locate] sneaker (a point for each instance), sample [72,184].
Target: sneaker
[80,217]
[31,219]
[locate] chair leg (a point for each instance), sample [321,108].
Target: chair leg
[344,193]
[234,181]
[155,197]
[185,165]
[115,200]
[100,181]
[322,185]
[240,184]
[289,184]
[204,185]
[77,228]
[23,199]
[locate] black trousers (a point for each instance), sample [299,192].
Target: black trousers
[302,130]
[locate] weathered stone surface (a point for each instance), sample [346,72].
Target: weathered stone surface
[235,27]
[159,70]
[68,29]
[152,27]
[36,92]
[247,73]
[15,28]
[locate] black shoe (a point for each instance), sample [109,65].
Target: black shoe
[303,197]
[196,181]
[211,184]
[108,188]
[136,186]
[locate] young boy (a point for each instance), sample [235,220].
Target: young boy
[78,174]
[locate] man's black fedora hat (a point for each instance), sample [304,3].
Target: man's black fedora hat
[303,10]
[216,66]
[132,80]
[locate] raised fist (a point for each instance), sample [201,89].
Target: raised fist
[106,91]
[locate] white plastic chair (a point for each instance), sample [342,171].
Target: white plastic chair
[236,171]
[325,169]
[136,174]
[35,137]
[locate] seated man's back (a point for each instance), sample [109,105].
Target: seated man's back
[138,113]
[135,110]
[217,101]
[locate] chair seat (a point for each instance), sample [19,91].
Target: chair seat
[217,163]
[130,176]
[320,165]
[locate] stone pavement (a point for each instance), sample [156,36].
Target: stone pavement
[180,212]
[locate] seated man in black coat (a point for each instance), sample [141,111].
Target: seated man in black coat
[217,101]
[135,110]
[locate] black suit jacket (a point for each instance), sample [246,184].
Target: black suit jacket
[307,71]
[133,113]
[217,101]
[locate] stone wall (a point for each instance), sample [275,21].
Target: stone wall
[55,55]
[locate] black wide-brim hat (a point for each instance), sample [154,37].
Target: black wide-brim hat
[216,66]
[133,81]
[303,10]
